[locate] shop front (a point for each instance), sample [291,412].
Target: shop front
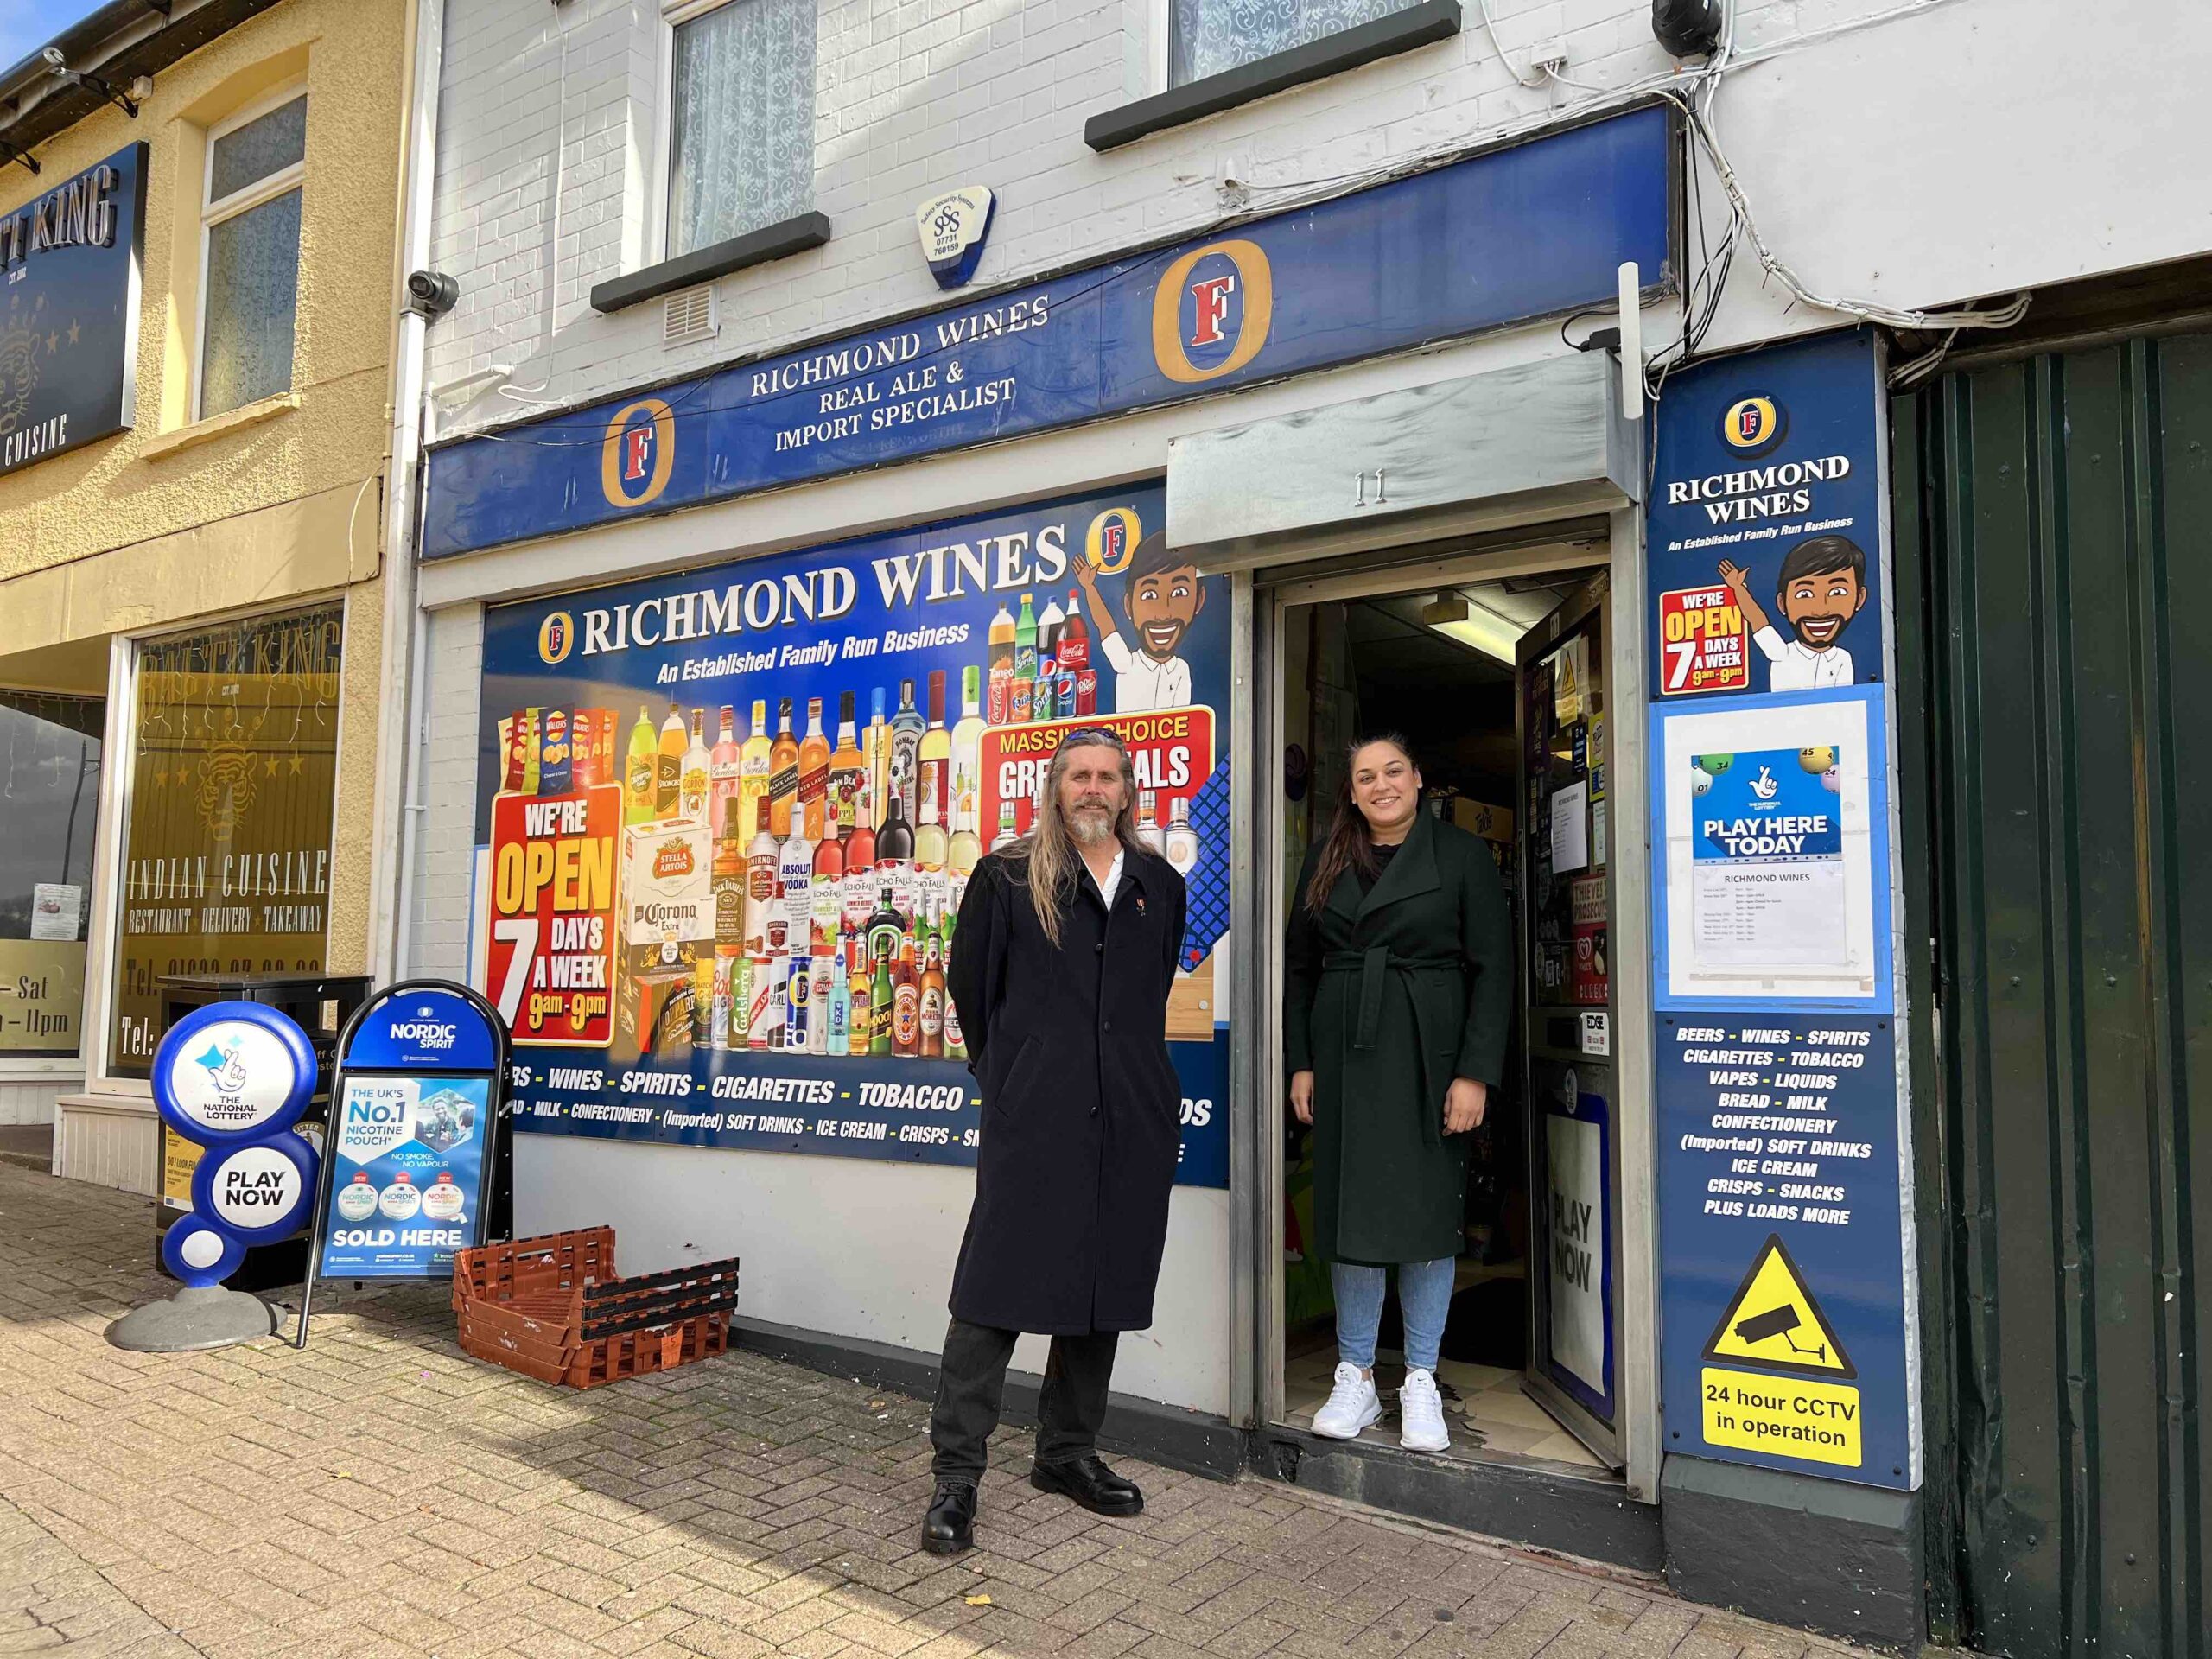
[723,706]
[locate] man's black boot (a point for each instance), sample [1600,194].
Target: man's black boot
[1090,1483]
[950,1527]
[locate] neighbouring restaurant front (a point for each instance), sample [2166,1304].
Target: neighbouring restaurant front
[719,716]
[169,755]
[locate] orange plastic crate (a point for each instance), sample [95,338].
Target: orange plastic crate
[553,1308]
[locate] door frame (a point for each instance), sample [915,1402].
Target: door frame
[1388,568]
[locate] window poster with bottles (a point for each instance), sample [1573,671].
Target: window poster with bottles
[726,816]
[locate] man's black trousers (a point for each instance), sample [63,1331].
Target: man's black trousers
[972,1384]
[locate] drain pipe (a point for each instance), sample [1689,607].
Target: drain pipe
[400,750]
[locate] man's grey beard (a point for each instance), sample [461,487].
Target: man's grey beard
[1090,825]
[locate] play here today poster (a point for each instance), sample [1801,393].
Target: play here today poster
[725,818]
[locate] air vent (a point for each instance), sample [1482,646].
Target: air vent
[689,317]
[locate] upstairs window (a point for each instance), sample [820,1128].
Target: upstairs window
[250,278]
[742,120]
[1206,37]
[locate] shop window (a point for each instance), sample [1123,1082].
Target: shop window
[1207,37]
[226,835]
[49,803]
[740,149]
[250,253]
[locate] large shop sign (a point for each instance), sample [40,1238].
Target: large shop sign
[69,321]
[1529,231]
[1786,1226]
[726,817]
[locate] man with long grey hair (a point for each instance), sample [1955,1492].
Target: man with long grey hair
[1068,941]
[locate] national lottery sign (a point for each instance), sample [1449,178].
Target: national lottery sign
[726,817]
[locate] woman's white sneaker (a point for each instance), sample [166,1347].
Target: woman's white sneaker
[1353,1405]
[1421,1415]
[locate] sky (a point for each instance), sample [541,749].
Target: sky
[26,25]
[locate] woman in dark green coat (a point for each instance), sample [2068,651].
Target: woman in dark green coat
[1399,973]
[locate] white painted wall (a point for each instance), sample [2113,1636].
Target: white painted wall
[1915,151]
[859,1247]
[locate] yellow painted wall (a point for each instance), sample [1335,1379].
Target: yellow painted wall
[174,519]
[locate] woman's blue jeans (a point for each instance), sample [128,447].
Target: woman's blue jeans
[1424,1300]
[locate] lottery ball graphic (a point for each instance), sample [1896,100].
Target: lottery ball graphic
[1818,758]
[1701,782]
[1713,764]
[1829,780]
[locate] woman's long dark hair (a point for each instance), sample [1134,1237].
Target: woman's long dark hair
[1349,847]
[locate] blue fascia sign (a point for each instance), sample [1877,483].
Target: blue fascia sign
[1533,230]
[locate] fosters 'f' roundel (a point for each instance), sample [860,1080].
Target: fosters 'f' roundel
[1212,311]
[1754,425]
[556,638]
[1113,536]
[638,454]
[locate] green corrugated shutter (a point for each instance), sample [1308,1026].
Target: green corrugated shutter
[2055,527]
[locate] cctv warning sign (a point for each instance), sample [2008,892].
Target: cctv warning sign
[1774,1320]
[1801,1407]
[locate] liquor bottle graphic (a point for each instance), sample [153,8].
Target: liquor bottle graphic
[725,773]
[639,766]
[668,765]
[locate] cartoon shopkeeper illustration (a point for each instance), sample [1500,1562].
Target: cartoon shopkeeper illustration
[1821,587]
[1162,596]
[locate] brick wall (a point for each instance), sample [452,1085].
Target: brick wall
[549,122]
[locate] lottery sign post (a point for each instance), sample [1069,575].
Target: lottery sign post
[418,1153]
[232,1077]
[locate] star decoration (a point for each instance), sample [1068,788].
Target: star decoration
[295,766]
[74,327]
[271,765]
[53,344]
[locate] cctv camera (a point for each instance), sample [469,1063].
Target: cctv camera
[431,294]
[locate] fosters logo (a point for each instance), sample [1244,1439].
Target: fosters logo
[1212,311]
[1113,536]
[556,638]
[1753,425]
[638,454]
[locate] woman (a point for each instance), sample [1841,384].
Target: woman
[1399,986]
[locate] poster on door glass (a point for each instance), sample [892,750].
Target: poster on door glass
[725,818]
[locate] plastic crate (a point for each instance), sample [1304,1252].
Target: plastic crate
[553,1308]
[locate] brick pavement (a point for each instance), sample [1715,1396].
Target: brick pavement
[382,1494]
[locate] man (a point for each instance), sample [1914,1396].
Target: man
[1821,587]
[1068,940]
[1162,596]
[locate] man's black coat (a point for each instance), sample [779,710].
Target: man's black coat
[1082,1110]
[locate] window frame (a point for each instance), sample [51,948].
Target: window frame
[242,201]
[111,861]
[674,15]
[17,1068]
